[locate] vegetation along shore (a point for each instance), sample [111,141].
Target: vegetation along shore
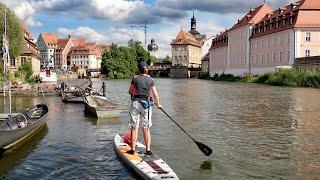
[286,77]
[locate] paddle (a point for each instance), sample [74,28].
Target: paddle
[203,148]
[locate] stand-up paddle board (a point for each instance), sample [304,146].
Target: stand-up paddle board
[146,166]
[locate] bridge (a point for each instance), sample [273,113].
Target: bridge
[179,71]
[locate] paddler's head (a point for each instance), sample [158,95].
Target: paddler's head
[143,67]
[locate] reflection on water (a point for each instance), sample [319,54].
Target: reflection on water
[15,155]
[206,165]
[255,131]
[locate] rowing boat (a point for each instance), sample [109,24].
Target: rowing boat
[16,128]
[100,107]
[145,166]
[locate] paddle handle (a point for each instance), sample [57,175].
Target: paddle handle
[176,123]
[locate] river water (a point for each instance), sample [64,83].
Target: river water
[255,131]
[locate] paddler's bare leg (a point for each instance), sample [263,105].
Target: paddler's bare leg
[147,138]
[134,134]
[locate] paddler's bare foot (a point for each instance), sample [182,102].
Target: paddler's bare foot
[148,153]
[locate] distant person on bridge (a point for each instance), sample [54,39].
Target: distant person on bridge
[141,108]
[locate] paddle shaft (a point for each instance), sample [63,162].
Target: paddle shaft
[176,124]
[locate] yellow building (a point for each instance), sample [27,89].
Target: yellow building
[186,51]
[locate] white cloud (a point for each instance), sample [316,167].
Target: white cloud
[25,11]
[83,32]
[112,35]
[218,6]
[122,35]
[117,10]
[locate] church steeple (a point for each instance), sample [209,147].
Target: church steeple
[193,22]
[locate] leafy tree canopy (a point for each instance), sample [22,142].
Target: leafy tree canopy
[14,31]
[121,62]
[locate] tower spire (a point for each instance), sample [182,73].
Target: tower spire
[193,21]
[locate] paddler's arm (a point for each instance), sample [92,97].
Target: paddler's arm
[131,89]
[156,96]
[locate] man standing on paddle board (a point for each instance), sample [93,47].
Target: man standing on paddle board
[141,108]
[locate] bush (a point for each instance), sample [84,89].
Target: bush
[294,77]
[204,76]
[285,77]
[25,72]
[263,79]
[228,78]
[249,78]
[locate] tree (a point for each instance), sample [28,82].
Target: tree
[25,71]
[166,59]
[121,62]
[14,31]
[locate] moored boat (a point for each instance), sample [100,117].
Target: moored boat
[100,107]
[146,166]
[71,94]
[18,127]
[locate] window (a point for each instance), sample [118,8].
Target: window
[288,38]
[308,36]
[280,56]
[288,56]
[262,58]
[307,53]
[268,57]
[274,57]
[280,40]
[12,62]
[23,59]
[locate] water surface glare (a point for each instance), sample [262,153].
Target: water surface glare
[255,131]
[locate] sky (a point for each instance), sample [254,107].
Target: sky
[109,21]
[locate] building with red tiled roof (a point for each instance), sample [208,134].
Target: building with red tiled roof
[265,39]
[61,52]
[88,56]
[186,48]
[30,53]
[286,34]
[47,43]
[79,42]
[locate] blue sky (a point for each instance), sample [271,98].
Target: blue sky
[107,21]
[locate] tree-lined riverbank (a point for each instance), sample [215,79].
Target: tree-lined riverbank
[286,77]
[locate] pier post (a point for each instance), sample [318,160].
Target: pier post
[104,89]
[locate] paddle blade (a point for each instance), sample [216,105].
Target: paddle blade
[204,148]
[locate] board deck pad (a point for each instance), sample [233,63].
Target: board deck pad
[146,166]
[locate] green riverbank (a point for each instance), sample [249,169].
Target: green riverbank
[286,77]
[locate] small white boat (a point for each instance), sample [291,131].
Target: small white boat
[146,166]
[48,76]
